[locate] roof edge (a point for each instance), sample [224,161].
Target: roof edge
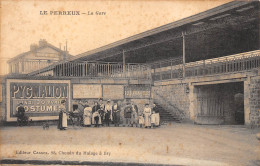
[181,22]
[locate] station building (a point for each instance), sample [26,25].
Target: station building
[38,57]
[204,69]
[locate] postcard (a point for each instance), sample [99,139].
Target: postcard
[166,82]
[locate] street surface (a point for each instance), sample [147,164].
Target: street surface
[175,144]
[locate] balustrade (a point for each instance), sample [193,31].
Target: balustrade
[98,69]
[228,64]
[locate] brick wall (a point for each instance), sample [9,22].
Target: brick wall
[176,94]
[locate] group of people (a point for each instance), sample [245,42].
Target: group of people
[107,113]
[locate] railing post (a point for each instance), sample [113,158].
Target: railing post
[69,68]
[183,53]
[204,68]
[86,71]
[108,68]
[171,69]
[39,65]
[63,69]
[83,69]
[141,70]
[226,65]
[124,62]
[160,70]
[128,69]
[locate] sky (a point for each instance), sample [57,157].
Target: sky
[22,23]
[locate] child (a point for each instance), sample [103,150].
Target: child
[141,120]
[153,119]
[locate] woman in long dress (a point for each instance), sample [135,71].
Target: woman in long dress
[108,113]
[147,116]
[62,125]
[87,116]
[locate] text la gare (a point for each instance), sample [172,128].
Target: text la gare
[96,13]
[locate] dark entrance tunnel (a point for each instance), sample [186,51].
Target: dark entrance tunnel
[220,103]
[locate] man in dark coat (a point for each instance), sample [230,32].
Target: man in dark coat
[157,115]
[101,111]
[134,114]
[81,107]
[21,118]
[127,114]
[96,119]
[21,111]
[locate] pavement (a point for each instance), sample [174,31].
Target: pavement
[172,144]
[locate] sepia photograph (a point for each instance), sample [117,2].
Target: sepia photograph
[146,83]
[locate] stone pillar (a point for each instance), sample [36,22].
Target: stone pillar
[247,101]
[254,102]
[193,102]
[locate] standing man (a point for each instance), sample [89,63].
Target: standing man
[134,114]
[96,119]
[101,111]
[81,111]
[157,115]
[127,114]
[116,113]
[62,124]
[21,118]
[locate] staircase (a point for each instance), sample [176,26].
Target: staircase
[168,111]
[165,116]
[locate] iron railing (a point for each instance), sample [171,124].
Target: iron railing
[227,64]
[102,69]
[28,66]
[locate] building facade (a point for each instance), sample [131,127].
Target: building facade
[39,56]
[204,68]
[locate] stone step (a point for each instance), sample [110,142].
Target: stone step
[165,115]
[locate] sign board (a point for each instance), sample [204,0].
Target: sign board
[83,91]
[113,92]
[138,91]
[41,99]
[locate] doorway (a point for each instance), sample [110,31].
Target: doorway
[220,103]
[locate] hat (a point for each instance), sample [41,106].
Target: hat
[146,104]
